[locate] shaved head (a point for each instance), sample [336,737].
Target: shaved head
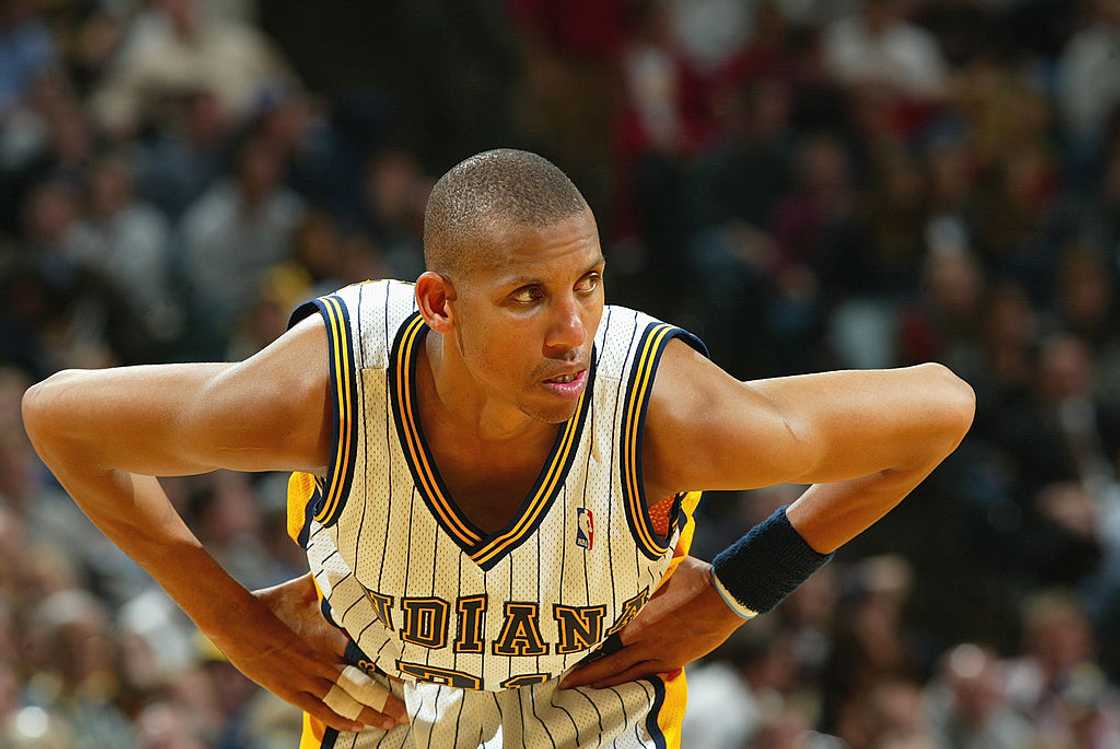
[479,198]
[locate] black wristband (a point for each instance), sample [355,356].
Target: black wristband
[767,564]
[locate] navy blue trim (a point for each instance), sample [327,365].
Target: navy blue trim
[677,514]
[654,711]
[309,509]
[354,655]
[329,737]
[325,607]
[396,402]
[300,313]
[645,396]
[609,646]
[315,505]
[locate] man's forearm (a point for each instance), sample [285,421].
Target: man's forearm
[758,571]
[797,540]
[136,514]
[830,515]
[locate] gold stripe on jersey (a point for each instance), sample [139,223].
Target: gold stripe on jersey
[684,540]
[314,731]
[338,330]
[301,490]
[670,714]
[342,380]
[544,492]
[655,338]
[305,493]
[428,483]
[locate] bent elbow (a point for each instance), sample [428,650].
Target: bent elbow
[30,407]
[956,404]
[35,412]
[966,406]
[36,408]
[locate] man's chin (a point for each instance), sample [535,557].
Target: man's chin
[557,414]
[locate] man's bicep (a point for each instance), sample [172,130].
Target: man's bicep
[270,412]
[716,433]
[706,430]
[265,413]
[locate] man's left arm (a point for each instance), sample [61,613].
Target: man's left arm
[863,439]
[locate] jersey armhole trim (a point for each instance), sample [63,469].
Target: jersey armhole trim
[305,494]
[344,396]
[655,338]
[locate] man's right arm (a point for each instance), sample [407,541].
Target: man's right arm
[106,435]
[265,413]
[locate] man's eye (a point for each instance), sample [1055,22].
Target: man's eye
[589,283]
[527,295]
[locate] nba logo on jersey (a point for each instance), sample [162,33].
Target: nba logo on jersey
[585,528]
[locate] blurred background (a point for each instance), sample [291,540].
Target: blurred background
[807,184]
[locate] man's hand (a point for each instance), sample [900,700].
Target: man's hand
[684,620]
[296,604]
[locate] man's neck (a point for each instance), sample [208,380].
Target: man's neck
[455,400]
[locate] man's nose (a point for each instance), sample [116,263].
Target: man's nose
[567,330]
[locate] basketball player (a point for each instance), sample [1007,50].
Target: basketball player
[494,475]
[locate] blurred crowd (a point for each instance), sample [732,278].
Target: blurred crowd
[807,184]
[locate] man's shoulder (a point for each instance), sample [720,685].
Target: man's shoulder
[630,342]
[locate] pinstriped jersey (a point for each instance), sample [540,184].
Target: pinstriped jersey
[424,593]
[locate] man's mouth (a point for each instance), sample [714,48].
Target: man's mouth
[568,385]
[565,378]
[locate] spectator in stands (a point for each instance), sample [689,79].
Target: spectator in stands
[234,233]
[178,49]
[877,47]
[1057,640]
[26,51]
[969,706]
[187,156]
[1089,79]
[731,695]
[75,653]
[129,241]
[1067,433]
[945,323]
[869,647]
[162,726]
[226,513]
[895,716]
[81,309]
[396,192]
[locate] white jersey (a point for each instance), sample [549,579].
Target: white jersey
[423,593]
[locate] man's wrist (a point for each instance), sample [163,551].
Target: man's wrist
[741,611]
[759,570]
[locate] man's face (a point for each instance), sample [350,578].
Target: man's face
[526,318]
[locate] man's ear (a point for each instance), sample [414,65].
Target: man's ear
[434,294]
